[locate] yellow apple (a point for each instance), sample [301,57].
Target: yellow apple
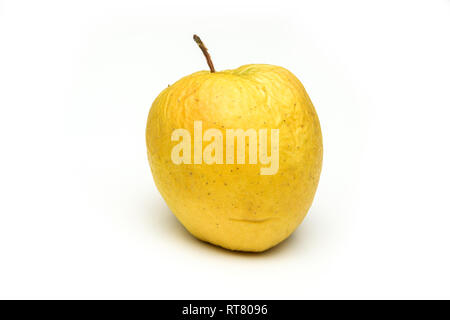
[236,205]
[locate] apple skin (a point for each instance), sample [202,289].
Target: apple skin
[233,205]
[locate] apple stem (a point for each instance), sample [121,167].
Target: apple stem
[205,52]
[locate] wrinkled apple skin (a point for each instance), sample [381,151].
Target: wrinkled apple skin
[233,205]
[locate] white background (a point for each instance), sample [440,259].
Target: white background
[80,216]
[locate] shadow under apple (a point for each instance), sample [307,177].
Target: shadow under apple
[173,228]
